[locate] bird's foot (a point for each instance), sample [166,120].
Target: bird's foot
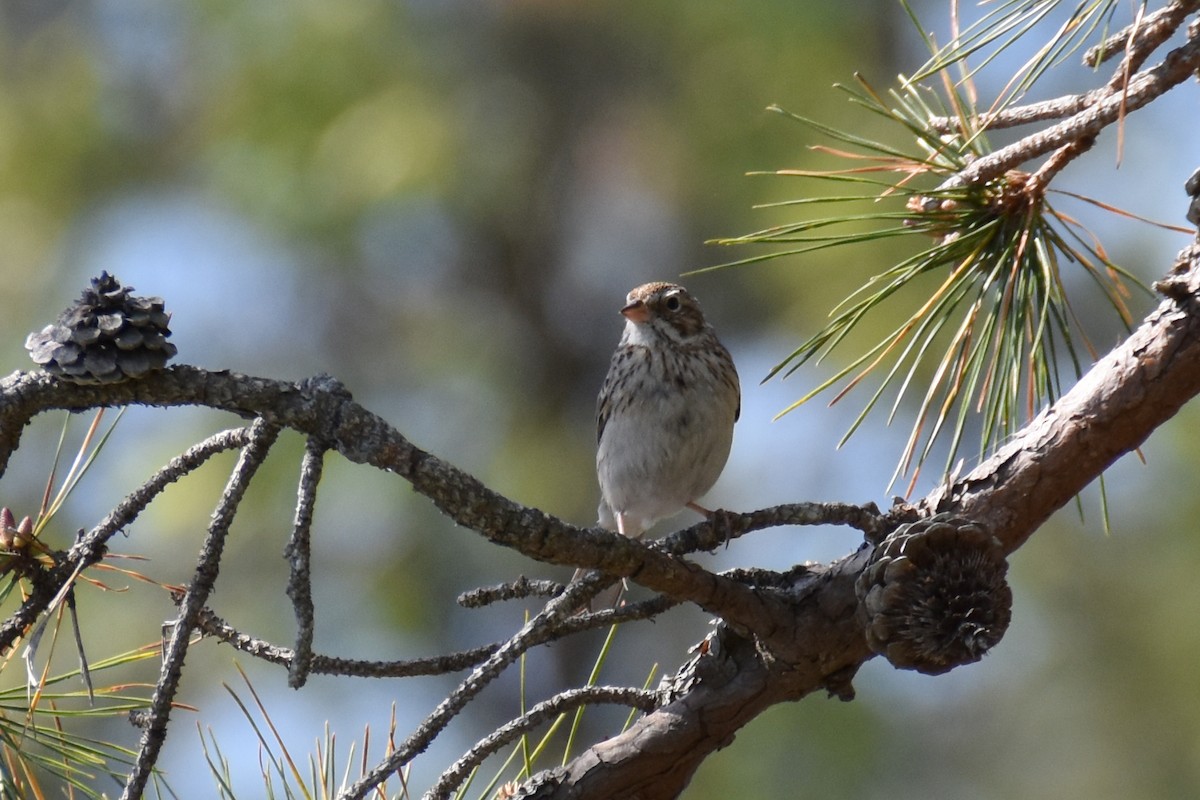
[720,519]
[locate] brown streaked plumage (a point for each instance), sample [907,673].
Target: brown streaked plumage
[666,411]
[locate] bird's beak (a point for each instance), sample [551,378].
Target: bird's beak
[637,311]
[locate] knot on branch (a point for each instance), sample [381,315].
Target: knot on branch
[934,595]
[543,784]
[1180,284]
[710,662]
[106,336]
[1192,187]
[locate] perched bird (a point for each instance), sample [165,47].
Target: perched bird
[665,413]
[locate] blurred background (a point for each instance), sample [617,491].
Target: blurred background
[443,204]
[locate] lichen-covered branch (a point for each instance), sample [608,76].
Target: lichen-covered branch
[323,409]
[299,555]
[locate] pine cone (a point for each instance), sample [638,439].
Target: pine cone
[107,336]
[935,595]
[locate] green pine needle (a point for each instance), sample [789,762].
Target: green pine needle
[36,740]
[1004,25]
[995,328]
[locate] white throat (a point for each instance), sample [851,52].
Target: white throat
[649,334]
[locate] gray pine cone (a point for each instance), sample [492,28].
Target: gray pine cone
[105,337]
[935,595]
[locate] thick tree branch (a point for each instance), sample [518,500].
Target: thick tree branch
[1112,410]
[787,639]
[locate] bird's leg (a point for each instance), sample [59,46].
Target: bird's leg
[717,519]
[625,527]
[628,527]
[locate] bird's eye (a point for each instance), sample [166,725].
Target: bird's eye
[672,303]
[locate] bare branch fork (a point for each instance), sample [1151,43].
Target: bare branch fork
[323,410]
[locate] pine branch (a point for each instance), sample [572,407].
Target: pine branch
[1117,405]
[1111,411]
[1136,42]
[1143,35]
[1179,65]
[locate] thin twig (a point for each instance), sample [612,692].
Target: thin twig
[725,526]
[641,699]
[520,589]
[479,678]
[299,556]
[1037,183]
[262,435]
[524,587]
[137,500]
[1149,29]
[628,612]
[212,625]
